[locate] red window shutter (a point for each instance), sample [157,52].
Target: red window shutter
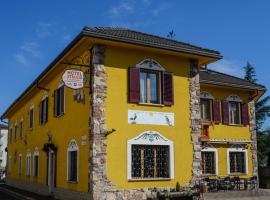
[168,98]
[225,112]
[245,116]
[134,85]
[216,111]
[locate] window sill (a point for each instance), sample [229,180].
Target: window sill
[58,116]
[73,182]
[149,179]
[151,104]
[237,125]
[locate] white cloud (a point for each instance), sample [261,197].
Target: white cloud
[31,48]
[159,9]
[44,30]
[232,67]
[125,7]
[22,59]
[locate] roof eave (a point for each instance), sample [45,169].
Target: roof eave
[232,85]
[150,44]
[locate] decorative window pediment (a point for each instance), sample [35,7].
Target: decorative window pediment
[206,95]
[150,64]
[234,97]
[73,146]
[151,147]
[36,152]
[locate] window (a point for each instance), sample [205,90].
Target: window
[149,87]
[150,156]
[10,135]
[237,161]
[150,83]
[43,111]
[28,164]
[20,165]
[15,132]
[21,129]
[31,117]
[208,163]
[72,159]
[206,109]
[59,101]
[235,112]
[150,161]
[36,163]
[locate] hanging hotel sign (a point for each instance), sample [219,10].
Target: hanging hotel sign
[73,78]
[150,117]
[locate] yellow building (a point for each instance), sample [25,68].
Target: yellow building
[150,115]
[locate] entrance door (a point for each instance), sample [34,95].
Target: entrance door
[51,171]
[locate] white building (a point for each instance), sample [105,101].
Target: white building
[3,145]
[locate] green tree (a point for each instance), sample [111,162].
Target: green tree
[262,108]
[250,73]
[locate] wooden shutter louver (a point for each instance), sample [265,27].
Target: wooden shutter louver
[134,85]
[225,112]
[245,114]
[216,111]
[168,98]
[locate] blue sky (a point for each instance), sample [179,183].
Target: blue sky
[34,32]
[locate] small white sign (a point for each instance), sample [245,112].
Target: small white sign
[73,78]
[150,117]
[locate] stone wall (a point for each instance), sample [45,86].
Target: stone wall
[194,88]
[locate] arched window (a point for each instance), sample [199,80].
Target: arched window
[36,163]
[28,163]
[20,164]
[150,156]
[72,161]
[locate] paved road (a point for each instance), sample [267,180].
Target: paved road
[10,193]
[239,195]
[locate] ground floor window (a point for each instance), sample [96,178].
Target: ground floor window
[237,161]
[36,163]
[72,161]
[150,161]
[150,156]
[28,164]
[20,165]
[208,162]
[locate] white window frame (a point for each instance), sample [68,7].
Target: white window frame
[149,138]
[234,98]
[20,164]
[21,128]
[28,164]
[73,146]
[32,108]
[43,98]
[245,151]
[211,149]
[36,154]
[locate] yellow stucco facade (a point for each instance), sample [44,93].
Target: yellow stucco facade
[74,123]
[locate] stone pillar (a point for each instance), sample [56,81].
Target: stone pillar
[253,137]
[194,90]
[97,161]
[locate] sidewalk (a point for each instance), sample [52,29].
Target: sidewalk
[21,194]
